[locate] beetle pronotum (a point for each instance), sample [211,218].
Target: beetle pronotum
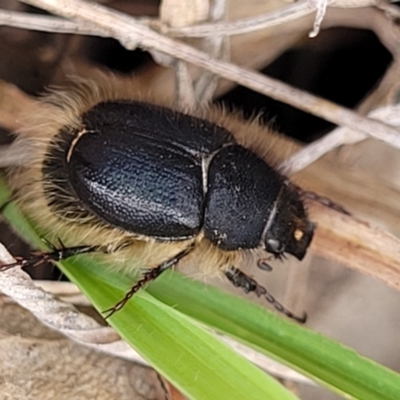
[149,185]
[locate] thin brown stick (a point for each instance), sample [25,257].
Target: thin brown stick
[65,318]
[129,32]
[246,25]
[336,138]
[45,23]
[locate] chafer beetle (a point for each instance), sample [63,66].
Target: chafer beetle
[144,182]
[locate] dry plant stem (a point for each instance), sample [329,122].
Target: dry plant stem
[321,5]
[62,288]
[59,25]
[184,90]
[216,46]
[177,13]
[128,31]
[336,138]
[66,291]
[58,315]
[206,84]
[386,92]
[338,235]
[390,113]
[391,11]
[295,11]
[387,30]
[246,25]
[330,142]
[46,24]
[312,152]
[66,319]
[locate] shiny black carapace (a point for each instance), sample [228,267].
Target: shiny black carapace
[171,185]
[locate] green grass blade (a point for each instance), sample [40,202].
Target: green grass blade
[159,314]
[192,358]
[311,353]
[189,356]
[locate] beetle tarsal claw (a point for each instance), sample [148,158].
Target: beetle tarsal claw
[262,264]
[18,263]
[240,279]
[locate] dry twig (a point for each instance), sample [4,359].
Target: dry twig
[59,315]
[336,138]
[66,319]
[129,32]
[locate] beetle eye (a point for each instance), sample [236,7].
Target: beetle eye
[298,234]
[274,246]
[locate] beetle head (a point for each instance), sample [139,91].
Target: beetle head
[290,230]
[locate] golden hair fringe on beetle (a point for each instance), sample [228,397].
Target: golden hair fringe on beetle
[147,184]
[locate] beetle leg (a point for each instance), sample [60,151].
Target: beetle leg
[240,279]
[56,254]
[148,276]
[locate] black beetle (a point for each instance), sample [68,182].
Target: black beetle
[142,181]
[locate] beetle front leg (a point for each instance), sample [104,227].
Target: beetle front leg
[240,279]
[56,254]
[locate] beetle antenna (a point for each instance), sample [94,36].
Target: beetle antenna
[240,279]
[148,276]
[323,200]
